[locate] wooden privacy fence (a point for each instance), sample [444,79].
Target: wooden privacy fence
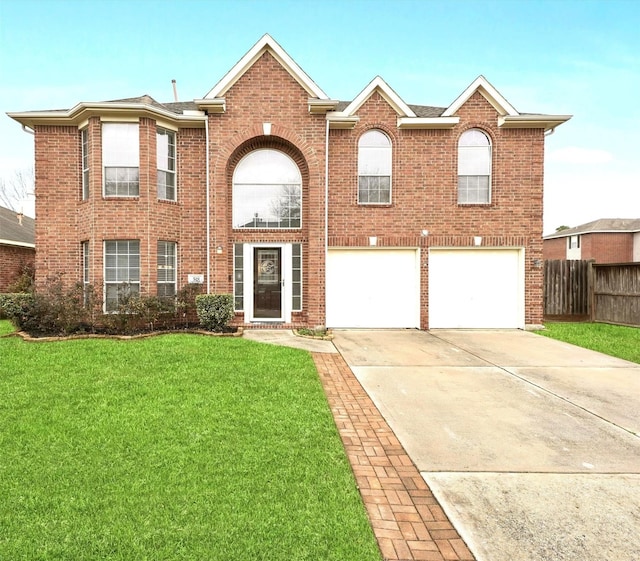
[583,290]
[566,289]
[616,293]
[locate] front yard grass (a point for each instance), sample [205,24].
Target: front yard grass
[615,340]
[176,447]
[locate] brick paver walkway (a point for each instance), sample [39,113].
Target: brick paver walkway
[408,522]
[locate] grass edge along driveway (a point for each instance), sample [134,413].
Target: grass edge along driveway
[615,340]
[172,447]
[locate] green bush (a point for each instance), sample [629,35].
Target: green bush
[215,311]
[14,305]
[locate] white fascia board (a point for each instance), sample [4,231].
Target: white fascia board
[266,43]
[342,121]
[493,96]
[386,92]
[546,122]
[83,110]
[217,105]
[322,105]
[427,122]
[17,244]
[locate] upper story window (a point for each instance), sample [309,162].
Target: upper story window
[267,191]
[374,168]
[574,242]
[166,157]
[121,159]
[474,168]
[84,142]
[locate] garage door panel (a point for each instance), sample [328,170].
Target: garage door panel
[373,288]
[476,288]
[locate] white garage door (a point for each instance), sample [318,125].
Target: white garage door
[476,288]
[373,288]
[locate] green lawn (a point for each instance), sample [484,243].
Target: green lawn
[614,340]
[172,447]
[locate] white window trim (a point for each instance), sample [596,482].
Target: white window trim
[287,264]
[119,166]
[490,175]
[390,175]
[175,267]
[84,147]
[104,271]
[175,163]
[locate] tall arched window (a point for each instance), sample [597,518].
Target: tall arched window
[474,168]
[374,168]
[267,191]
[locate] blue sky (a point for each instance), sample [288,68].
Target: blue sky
[559,57]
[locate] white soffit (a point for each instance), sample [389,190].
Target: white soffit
[481,84]
[266,44]
[106,109]
[392,98]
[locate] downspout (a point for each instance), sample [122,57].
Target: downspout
[208,236]
[326,216]
[24,128]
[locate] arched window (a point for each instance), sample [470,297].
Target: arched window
[267,191]
[474,168]
[374,168]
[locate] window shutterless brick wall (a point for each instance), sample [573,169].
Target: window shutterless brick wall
[424,191]
[13,260]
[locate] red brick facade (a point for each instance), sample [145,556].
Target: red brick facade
[424,188]
[13,262]
[602,247]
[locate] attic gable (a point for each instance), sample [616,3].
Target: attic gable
[508,116]
[482,85]
[214,99]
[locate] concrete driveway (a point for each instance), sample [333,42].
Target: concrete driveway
[532,446]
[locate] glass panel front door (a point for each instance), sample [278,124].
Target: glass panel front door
[267,282]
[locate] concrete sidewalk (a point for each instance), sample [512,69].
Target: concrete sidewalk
[530,445]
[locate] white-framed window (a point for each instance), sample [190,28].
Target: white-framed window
[166,158]
[167,269]
[296,277]
[85,271]
[84,143]
[121,159]
[267,191]
[574,242]
[474,168]
[121,271]
[238,277]
[374,168]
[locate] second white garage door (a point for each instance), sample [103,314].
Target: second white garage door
[476,288]
[373,288]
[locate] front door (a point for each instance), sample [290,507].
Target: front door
[267,282]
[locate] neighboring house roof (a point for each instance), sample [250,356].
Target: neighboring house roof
[340,114]
[16,229]
[600,226]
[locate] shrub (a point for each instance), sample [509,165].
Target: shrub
[25,280]
[14,305]
[140,313]
[215,311]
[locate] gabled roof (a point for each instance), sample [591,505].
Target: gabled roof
[16,229]
[509,117]
[265,44]
[185,114]
[339,114]
[600,226]
[482,85]
[409,116]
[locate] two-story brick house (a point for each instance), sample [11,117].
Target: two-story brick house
[606,240]
[310,210]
